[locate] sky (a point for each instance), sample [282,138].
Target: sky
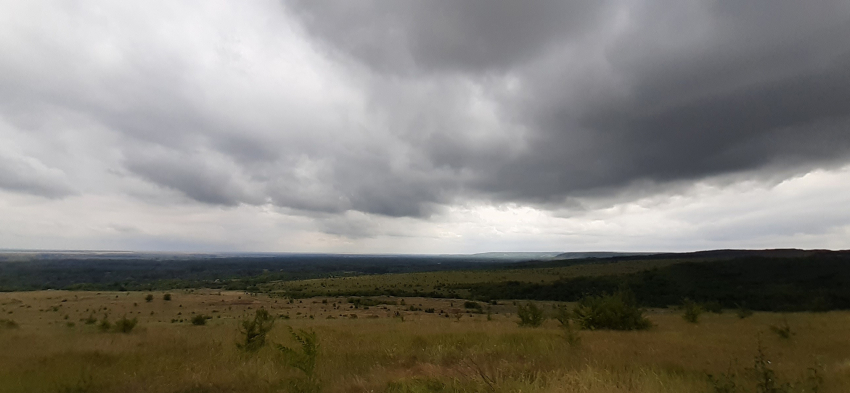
[423,126]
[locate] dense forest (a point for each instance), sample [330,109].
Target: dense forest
[819,282]
[220,272]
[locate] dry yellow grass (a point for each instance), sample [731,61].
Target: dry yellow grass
[379,352]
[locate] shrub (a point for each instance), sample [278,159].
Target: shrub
[571,336]
[744,312]
[166,297]
[530,315]
[8,324]
[104,324]
[724,382]
[618,311]
[91,320]
[471,305]
[149,298]
[200,320]
[783,330]
[564,317]
[691,310]
[254,331]
[125,325]
[766,379]
[304,360]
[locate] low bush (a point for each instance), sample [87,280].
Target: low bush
[91,320]
[766,379]
[691,311]
[471,305]
[254,331]
[125,325]
[303,360]
[783,330]
[104,324]
[166,297]
[200,320]
[530,315]
[563,315]
[618,311]
[744,312]
[8,324]
[149,298]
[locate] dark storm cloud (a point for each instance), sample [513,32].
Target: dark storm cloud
[474,36]
[613,94]
[398,108]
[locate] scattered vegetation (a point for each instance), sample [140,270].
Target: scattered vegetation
[149,298]
[166,297]
[429,352]
[369,302]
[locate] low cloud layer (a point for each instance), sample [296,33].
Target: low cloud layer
[358,119]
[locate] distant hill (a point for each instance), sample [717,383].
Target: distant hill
[600,254]
[517,256]
[116,270]
[731,253]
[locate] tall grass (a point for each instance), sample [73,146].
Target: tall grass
[427,353]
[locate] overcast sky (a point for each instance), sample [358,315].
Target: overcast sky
[424,127]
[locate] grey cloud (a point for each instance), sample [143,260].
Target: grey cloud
[612,95]
[417,105]
[473,36]
[28,175]
[196,176]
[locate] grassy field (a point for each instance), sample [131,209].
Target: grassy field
[388,348]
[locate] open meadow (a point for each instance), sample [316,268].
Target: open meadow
[56,341]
